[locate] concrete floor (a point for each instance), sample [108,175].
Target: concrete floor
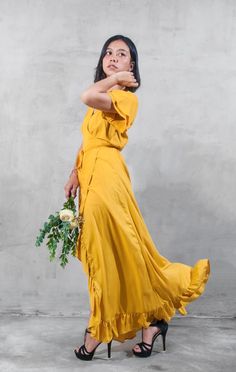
[46,344]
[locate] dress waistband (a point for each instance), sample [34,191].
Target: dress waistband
[95,145]
[93,142]
[91,145]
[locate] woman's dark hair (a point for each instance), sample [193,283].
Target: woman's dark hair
[99,73]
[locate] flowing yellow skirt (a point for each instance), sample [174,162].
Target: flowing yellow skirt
[130,284]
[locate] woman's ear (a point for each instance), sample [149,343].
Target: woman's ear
[131,66]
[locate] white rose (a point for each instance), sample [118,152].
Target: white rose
[66,215]
[74,223]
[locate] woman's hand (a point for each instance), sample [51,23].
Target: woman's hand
[126,78]
[72,185]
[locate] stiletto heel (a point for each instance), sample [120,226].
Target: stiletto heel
[146,349]
[84,354]
[109,349]
[164,339]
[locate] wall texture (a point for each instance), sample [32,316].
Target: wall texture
[181,152]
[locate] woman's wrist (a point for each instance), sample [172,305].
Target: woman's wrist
[74,171]
[115,79]
[103,85]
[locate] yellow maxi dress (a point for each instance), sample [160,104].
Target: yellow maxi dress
[130,284]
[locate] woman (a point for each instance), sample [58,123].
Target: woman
[131,286]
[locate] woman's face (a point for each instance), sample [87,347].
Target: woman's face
[117,58]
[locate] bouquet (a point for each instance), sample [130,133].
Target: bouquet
[62,227]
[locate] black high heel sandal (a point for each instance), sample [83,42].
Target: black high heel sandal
[84,354]
[146,349]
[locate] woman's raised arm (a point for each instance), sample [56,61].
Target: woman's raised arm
[96,95]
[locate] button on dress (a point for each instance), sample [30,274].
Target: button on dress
[130,284]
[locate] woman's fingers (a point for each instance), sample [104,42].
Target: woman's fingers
[67,192]
[71,187]
[133,83]
[74,192]
[126,78]
[132,80]
[68,188]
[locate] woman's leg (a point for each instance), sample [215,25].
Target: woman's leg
[89,342]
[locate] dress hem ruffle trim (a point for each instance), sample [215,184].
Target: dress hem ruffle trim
[125,325]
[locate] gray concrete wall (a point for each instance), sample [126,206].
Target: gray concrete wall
[181,152]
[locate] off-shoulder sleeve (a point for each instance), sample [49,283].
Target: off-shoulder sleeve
[126,105]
